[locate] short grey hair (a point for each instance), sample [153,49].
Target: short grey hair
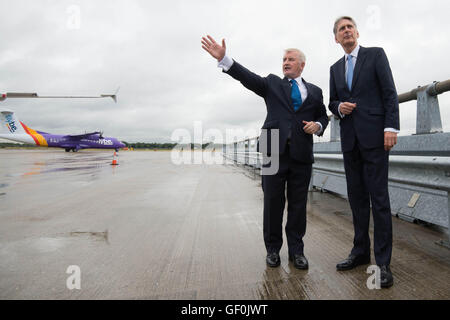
[339,20]
[301,55]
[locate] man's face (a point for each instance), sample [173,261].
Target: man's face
[346,34]
[292,67]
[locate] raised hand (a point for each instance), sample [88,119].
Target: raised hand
[213,48]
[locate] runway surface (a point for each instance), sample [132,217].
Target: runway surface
[151,229]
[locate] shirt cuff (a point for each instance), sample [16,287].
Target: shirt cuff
[391,130]
[339,111]
[318,133]
[225,63]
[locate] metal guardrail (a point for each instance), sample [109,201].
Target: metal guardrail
[428,116]
[419,165]
[432,89]
[419,187]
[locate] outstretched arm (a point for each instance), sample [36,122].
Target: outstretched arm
[249,79]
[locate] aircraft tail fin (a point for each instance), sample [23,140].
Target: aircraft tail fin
[9,123]
[13,129]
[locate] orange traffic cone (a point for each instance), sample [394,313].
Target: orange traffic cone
[115,161]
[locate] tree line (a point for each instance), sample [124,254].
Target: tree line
[144,145]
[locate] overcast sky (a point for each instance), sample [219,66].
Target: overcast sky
[152,50]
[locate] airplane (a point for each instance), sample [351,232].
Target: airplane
[13,129]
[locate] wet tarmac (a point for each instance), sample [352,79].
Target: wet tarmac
[150,229]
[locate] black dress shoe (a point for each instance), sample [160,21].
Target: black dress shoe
[386,278]
[352,261]
[300,261]
[273,259]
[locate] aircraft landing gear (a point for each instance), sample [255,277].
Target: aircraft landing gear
[67,149]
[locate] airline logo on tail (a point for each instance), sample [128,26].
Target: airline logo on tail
[10,123]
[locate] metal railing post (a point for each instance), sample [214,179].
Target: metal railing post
[428,114]
[246,150]
[335,131]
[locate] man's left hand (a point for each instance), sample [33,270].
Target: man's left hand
[310,127]
[390,140]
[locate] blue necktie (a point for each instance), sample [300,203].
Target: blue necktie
[349,72]
[295,95]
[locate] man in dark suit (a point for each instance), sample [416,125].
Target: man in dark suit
[295,108]
[363,96]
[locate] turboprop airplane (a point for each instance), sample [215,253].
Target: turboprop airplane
[13,129]
[19,132]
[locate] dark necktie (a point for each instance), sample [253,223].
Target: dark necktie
[295,95]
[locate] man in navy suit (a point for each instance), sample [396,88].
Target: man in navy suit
[363,96]
[295,109]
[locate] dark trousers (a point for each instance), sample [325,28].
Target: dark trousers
[367,182]
[294,178]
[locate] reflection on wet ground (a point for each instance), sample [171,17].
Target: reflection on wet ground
[17,165]
[70,169]
[149,229]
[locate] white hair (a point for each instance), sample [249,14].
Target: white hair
[301,55]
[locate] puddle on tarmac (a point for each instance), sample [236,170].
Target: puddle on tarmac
[82,170]
[32,245]
[92,234]
[72,168]
[49,244]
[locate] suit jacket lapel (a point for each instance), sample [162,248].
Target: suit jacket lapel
[341,72]
[359,62]
[308,88]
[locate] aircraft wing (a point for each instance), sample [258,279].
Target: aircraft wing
[84,135]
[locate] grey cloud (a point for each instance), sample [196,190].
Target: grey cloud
[152,51]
